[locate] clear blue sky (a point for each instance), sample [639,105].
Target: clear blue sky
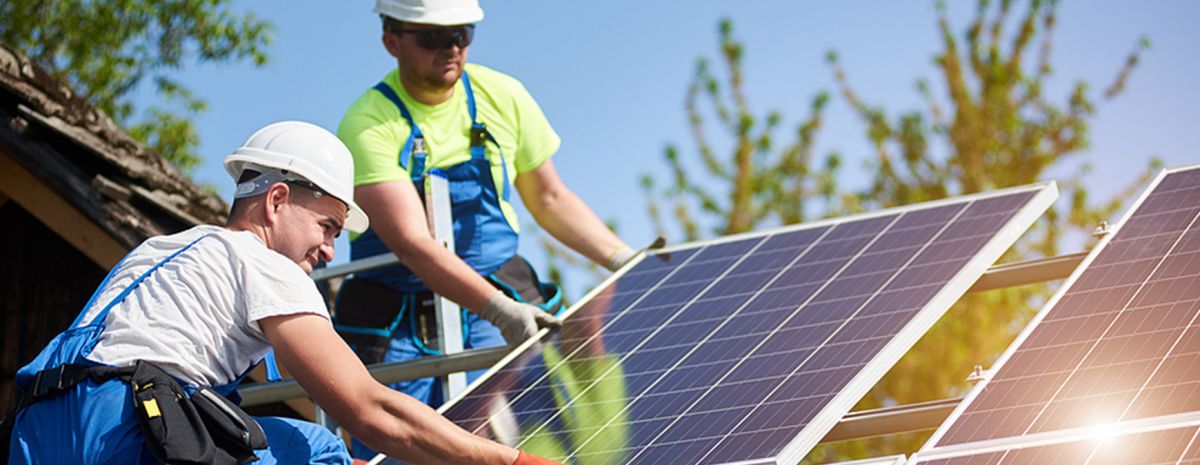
[611,76]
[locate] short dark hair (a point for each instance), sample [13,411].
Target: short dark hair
[391,24]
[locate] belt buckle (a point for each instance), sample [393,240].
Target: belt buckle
[48,381]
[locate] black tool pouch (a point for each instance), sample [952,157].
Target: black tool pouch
[171,426]
[233,430]
[191,430]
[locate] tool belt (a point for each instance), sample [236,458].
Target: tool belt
[204,428]
[368,313]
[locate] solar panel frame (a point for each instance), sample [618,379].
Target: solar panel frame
[887,460]
[1041,197]
[932,450]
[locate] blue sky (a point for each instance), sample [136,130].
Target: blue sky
[611,76]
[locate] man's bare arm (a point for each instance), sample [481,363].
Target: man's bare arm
[398,217]
[386,420]
[565,216]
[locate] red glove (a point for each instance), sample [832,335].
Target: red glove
[526,459]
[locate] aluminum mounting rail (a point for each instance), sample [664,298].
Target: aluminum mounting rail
[386,373]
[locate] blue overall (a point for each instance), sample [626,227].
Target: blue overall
[483,239]
[96,423]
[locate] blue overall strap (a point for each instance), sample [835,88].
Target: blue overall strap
[479,132]
[92,299]
[414,147]
[273,374]
[125,293]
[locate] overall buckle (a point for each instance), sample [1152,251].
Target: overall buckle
[479,135]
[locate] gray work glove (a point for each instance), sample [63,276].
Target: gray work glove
[517,321]
[619,258]
[623,255]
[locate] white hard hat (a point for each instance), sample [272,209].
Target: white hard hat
[305,150]
[435,12]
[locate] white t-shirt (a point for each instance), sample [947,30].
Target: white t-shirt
[197,315]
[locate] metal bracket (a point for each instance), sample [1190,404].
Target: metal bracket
[892,420]
[1028,272]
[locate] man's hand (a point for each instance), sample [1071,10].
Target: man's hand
[620,257]
[624,254]
[517,321]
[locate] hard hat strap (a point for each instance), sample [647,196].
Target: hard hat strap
[268,177]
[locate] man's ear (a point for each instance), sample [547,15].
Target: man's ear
[392,43]
[276,196]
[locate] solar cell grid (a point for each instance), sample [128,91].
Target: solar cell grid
[726,351]
[1120,342]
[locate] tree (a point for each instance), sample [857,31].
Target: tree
[758,194]
[767,184]
[995,128]
[106,49]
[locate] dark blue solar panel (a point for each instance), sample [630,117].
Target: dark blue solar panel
[726,351]
[1121,343]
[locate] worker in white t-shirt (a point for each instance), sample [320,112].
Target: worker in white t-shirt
[184,317]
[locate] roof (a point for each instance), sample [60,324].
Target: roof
[78,151]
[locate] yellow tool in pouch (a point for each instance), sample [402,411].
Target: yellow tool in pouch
[151,408]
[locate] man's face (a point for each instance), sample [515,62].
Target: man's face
[306,224]
[430,56]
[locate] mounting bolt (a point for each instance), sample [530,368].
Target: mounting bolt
[1102,230]
[977,374]
[18,124]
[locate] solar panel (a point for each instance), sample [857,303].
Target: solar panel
[1174,446]
[1118,344]
[748,347]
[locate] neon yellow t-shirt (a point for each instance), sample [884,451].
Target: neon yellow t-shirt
[375,131]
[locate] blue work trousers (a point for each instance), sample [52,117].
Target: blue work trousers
[97,424]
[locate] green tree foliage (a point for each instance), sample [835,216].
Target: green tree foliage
[766,183]
[107,49]
[993,128]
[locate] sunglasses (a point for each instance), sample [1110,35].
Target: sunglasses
[441,38]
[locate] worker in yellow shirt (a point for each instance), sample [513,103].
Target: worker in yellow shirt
[479,128]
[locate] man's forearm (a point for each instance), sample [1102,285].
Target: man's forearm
[447,275]
[432,439]
[572,222]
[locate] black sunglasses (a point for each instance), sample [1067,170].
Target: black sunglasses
[441,38]
[317,191]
